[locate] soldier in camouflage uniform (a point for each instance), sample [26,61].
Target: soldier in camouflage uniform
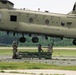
[15,46]
[40,48]
[50,48]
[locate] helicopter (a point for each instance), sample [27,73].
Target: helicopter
[37,22]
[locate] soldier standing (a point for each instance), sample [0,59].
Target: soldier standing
[50,48]
[40,48]
[14,45]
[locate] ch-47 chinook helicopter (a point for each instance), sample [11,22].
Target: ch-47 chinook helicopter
[36,22]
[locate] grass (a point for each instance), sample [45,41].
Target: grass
[64,52]
[24,65]
[55,52]
[28,65]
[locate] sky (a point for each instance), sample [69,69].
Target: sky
[55,6]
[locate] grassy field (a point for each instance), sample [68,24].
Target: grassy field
[28,65]
[55,52]
[64,52]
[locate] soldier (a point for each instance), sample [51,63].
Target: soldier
[50,48]
[40,48]
[14,45]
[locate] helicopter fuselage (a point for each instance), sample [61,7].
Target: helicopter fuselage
[26,21]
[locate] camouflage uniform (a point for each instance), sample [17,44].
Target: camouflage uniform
[40,48]
[50,48]
[14,45]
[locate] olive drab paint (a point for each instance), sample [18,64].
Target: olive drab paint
[36,22]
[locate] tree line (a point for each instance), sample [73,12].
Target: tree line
[8,39]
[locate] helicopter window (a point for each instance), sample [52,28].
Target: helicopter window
[13,18]
[47,21]
[69,23]
[30,20]
[62,23]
